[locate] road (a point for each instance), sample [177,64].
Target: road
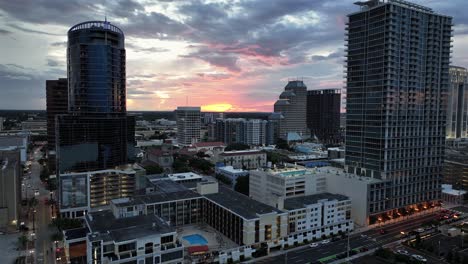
[42,217]
[369,239]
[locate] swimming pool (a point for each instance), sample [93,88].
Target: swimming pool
[195,239]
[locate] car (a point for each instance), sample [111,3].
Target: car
[419,258]
[334,239]
[420,230]
[363,249]
[383,231]
[36,192]
[402,252]
[364,236]
[326,241]
[313,245]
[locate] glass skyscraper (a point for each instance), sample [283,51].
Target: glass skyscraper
[398,57]
[96,133]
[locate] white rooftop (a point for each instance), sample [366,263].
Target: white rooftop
[448,189]
[231,169]
[184,176]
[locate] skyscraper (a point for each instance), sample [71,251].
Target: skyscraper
[323,114]
[96,133]
[292,105]
[241,130]
[397,80]
[57,104]
[457,111]
[188,125]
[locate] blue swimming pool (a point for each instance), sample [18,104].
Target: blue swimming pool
[196,239]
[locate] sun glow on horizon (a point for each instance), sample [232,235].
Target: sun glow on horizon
[223,107]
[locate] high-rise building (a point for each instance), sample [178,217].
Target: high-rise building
[10,186]
[397,81]
[188,125]
[323,114]
[292,105]
[457,110]
[240,130]
[96,134]
[57,104]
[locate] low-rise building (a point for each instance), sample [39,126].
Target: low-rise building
[325,213]
[452,196]
[31,125]
[185,177]
[271,186]
[243,159]
[231,173]
[207,146]
[242,219]
[137,239]
[18,141]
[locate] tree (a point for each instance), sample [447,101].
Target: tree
[66,223]
[57,236]
[236,146]
[282,144]
[22,241]
[154,169]
[242,185]
[224,179]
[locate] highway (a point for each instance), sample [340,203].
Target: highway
[369,239]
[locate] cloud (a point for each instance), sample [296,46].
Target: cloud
[59,44]
[4,32]
[137,48]
[52,63]
[28,30]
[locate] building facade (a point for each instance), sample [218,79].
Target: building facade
[457,110]
[252,132]
[188,125]
[397,81]
[243,159]
[56,104]
[138,239]
[324,212]
[82,192]
[292,105]
[273,186]
[10,187]
[323,115]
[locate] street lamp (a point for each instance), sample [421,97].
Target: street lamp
[34,224]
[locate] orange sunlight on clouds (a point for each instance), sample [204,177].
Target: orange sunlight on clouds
[223,107]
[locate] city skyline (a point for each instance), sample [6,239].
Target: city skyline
[176,54]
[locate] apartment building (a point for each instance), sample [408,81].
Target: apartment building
[272,185]
[242,159]
[324,213]
[138,239]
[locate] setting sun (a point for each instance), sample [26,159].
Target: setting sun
[216,107]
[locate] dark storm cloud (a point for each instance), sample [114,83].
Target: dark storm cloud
[4,32]
[28,30]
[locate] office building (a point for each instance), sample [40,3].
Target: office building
[273,186]
[456,168]
[457,110]
[81,192]
[10,186]
[138,239]
[292,105]
[323,115]
[242,159]
[2,120]
[398,57]
[18,141]
[252,132]
[188,125]
[324,213]
[231,173]
[96,134]
[57,104]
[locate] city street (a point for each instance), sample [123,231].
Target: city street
[370,239]
[42,215]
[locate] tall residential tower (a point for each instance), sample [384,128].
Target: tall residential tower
[397,81]
[323,114]
[188,125]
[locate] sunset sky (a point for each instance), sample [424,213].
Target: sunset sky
[219,54]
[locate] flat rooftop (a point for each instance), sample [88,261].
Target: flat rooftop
[184,176]
[104,226]
[241,152]
[240,204]
[302,201]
